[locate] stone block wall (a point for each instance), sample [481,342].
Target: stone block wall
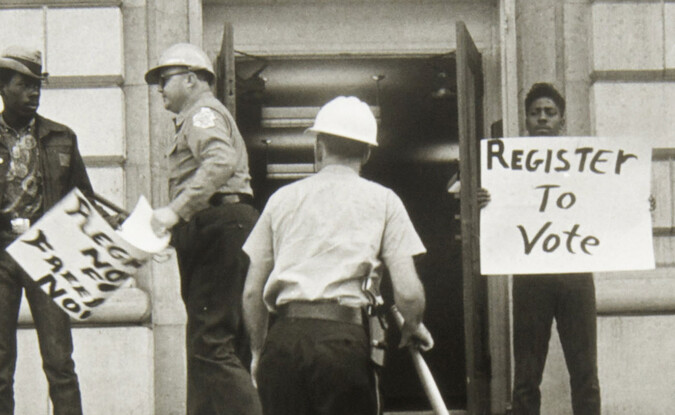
[627,79]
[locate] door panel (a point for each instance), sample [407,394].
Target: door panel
[416,158]
[225,74]
[470,122]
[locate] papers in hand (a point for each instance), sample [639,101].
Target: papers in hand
[137,230]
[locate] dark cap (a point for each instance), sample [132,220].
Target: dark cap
[545,90]
[23,60]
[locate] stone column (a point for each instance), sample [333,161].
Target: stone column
[553,47]
[167,22]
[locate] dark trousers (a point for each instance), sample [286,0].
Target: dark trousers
[316,367]
[213,269]
[56,345]
[570,299]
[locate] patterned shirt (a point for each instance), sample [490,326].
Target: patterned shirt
[325,234]
[22,197]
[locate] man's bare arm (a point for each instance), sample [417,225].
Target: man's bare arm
[255,312]
[410,301]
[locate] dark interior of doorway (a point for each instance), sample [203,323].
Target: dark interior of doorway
[417,158]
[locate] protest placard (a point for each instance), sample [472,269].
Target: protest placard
[565,205]
[76,257]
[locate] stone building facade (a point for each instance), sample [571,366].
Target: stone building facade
[613,59]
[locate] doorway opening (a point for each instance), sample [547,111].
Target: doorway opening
[415,101]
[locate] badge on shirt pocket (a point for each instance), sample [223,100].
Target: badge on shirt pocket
[64,159]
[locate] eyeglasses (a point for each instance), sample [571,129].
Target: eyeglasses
[164,78]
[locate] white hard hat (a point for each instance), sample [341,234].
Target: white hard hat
[181,54]
[347,117]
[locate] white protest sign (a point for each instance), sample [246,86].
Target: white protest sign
[76,257]
[565,204]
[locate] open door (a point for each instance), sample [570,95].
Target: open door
[277,97]
[470,122]
[225,74]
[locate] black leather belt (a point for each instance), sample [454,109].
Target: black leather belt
[324,310]
[219,199]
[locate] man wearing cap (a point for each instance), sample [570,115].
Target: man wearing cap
[316,242]
[209,215]
[39,164]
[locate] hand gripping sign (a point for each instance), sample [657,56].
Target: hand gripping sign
[75,257]
[565,204]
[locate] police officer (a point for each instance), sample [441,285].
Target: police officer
[316,242]
[210,216]
[39,164]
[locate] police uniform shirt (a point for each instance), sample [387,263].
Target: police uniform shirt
[326,233]
[208,156]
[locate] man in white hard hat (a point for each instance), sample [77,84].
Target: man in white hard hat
[315,243]
[209,215]
[39,164]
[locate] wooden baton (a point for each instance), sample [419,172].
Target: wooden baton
[428,382]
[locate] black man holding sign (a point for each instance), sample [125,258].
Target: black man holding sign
[559,208]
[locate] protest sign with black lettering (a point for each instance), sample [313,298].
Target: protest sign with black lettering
[565,204]
[76,257]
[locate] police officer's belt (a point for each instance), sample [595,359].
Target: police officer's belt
[219,199]
[321,310]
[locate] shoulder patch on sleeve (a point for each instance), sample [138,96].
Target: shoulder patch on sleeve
[205,118]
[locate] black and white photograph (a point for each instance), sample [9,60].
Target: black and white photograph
[337,207]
